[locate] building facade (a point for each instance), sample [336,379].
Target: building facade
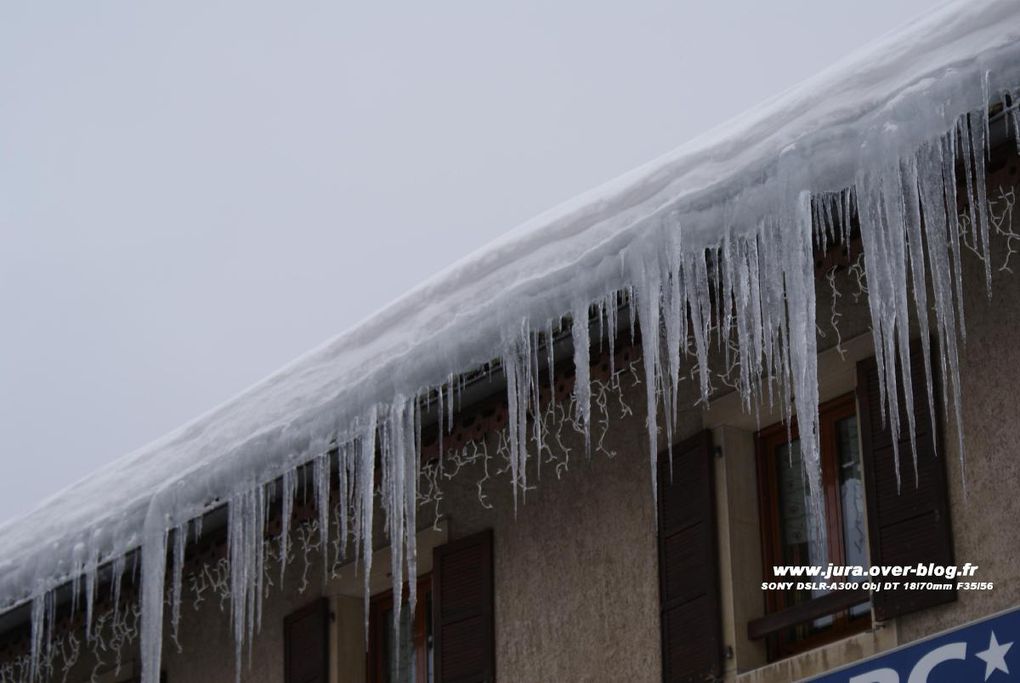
[581,578]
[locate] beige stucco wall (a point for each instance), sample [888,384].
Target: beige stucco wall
[576,568]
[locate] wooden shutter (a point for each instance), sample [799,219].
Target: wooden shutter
[908,526]
[462,613]
[691,623]
[306,644]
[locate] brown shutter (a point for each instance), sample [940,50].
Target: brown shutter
[306,644]
[908,526]
[691,623]
[462,612]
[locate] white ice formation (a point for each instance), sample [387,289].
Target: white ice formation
[717,234]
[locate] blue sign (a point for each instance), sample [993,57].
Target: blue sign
[986,650]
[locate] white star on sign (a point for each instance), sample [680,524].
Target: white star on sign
[994,657]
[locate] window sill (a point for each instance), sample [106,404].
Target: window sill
[804,612]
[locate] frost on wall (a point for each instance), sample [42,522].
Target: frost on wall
[710,247]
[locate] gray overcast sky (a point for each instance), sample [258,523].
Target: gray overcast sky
[194,193]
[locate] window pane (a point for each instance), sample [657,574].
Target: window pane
[796,527]
[851,492]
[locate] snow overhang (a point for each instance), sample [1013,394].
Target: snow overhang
[747,182]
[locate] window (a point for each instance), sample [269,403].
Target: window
[414,663]
[786,523]
[306,643]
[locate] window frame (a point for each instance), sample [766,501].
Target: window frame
[767,441]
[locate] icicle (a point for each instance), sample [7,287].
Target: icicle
[116,581]
[236,533]
[393,505]
[986,119]
[320,482]
[632,313]
[700,309]
[915,248]
[411,458]
[550,347]
[895,214]
[715,270]
[768,278]
[38,627]
[449,404]
[344,475]
[972,148]
[975,146]
[176,583]
[674,311]
[646,296]
[748,318]
[76,580]
[246,550]
[364,485]
[726,262]
[582,369]
[893,202]
[288,494]
[938,201]
[90,571]
[258,550]
[536,400]
[816,220]
[612,306]
[754,326]
[951,211]
[881,296]
[516,361]
[742,303]
[399,499]
[152,593]
[1016,123]
[798,266]
[51,623]
[440,428]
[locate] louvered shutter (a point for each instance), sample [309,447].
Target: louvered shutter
[912,525]
[691,623]
[306,644]
[462,613]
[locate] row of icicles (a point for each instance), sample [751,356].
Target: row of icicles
[757,288]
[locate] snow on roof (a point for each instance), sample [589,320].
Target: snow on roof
[877,106]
